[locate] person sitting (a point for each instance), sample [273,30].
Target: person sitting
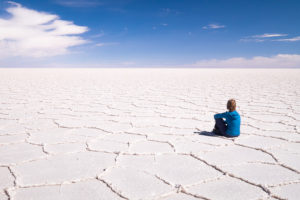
[231,126]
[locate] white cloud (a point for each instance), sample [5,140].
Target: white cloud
[294,39]
[213,26]
[278,61]
[31,33]
[269,35]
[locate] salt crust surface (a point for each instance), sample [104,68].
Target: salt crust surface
[145,134]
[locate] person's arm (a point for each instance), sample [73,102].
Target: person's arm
[220,115]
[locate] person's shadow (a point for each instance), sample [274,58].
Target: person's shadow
[211,134]
[206,133]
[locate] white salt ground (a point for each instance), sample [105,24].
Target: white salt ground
[104,134]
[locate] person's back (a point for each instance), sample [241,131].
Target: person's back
[230,127]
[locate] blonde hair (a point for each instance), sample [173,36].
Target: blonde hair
[231,105]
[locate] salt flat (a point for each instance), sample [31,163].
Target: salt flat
[136,134]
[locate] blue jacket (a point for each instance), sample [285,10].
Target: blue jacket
[233,121]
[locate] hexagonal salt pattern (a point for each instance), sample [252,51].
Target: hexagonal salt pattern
[110,134]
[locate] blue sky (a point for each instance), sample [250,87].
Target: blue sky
[150,33]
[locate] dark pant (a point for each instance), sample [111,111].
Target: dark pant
[221,127]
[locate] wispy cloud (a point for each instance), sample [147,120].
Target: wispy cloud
[213,26]
[272,36]
[263,37]
[101,34]
[79,3]
[164,12]
[37,34]
[159,25]
[111,5]
[277,61]
[269,35]
[294,39]
[107,44]
[251,40]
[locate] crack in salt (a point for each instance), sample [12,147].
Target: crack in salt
[112,189]
[275,159]
[231,175]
